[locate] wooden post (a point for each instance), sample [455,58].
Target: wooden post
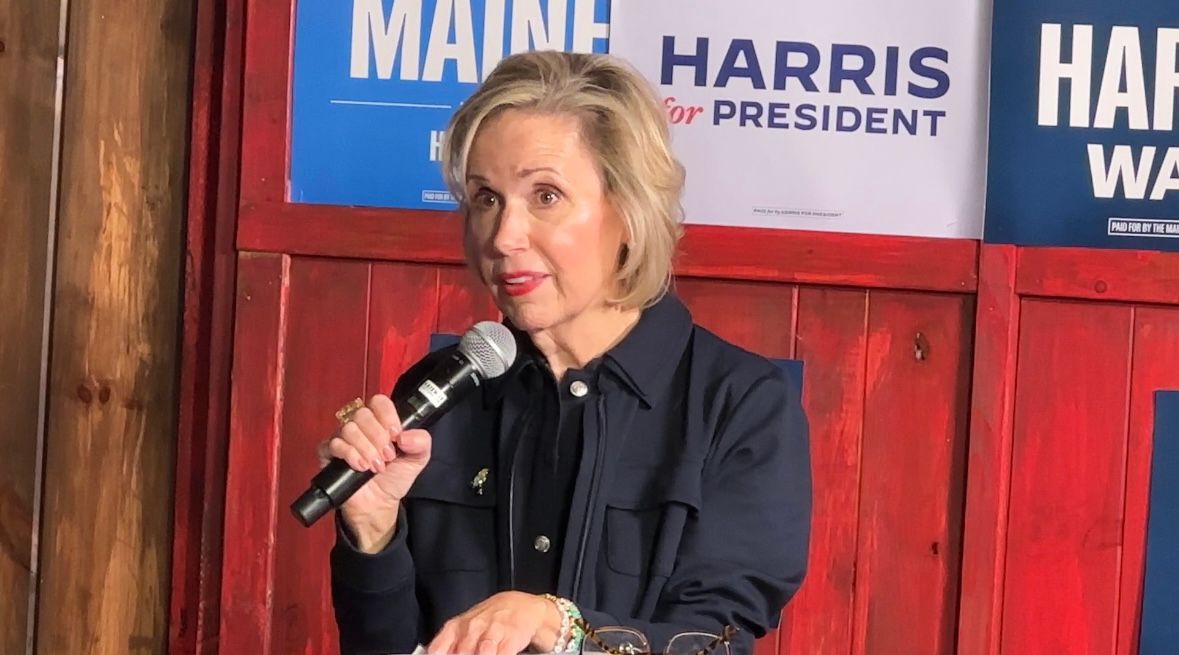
[106,537]
[28,85]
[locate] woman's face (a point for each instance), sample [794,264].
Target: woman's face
[545,236]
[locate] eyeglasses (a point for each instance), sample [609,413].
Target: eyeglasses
[617,640]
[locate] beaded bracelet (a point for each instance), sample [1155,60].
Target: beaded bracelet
[570,636]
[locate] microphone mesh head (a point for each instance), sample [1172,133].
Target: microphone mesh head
[491,347]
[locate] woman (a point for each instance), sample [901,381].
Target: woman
[631,469]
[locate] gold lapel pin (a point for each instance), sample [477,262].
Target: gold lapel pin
[479,480]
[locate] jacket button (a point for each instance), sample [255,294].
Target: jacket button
[578,388]
[542,544]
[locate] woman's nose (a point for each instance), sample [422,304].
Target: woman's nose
[511,231]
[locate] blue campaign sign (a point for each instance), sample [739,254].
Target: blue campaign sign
[1160,603]
[1082,124]
[375,82]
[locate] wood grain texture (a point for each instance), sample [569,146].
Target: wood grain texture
[247,589]
[265,154]
[1067,481]
[1123,275]
[28,58]
[1153,368]
[988,480]
[112,394]
[750,254]
[378,234]
[829,258]
[404,311]
[206,358]
[832,342]
[756,316]
[326,362]
[913,463]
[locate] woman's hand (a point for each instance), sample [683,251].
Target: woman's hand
[504,624]
[373,441]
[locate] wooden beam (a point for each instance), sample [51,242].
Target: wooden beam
[112,391]
[707,251]
[28,88]
[206,356]
[1112,275]
[988,483]
[247,590]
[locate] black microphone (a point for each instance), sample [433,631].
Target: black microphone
[486,351]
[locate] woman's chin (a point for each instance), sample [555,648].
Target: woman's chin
[527,318]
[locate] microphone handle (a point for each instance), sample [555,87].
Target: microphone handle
[337,481]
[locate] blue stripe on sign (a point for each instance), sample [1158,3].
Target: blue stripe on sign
[791,367]
[1160,601]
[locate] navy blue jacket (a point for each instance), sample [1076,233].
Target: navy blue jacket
[691,508]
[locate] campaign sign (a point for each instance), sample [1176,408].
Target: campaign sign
[376,81]
[1082,124]
[858,116]
[1160,603]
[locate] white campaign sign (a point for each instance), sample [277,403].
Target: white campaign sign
[859,116]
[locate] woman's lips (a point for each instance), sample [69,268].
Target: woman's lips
[518,283]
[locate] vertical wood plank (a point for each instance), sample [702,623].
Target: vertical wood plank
[462,300]
[265,155]
[832,342]
[757,316]
[404,312]
[326,358]
[28,87]
[992,412]
[915,421]
[112,402]
[255,421]
[1154,367]
[1067,484]
[206,358]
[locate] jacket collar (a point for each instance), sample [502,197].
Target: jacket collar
[643,362]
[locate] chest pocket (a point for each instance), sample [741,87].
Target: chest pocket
[451,524]
[646,509]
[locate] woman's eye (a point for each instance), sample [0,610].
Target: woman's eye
[486,199]
[547,196]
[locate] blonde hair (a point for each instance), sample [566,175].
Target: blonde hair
[624,124]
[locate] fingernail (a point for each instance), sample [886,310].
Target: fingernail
[379,465]
[390,454]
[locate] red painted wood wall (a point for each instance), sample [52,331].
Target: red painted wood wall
[1071,346]
[980,418]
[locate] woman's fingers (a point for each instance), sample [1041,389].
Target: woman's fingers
[414,443]
[488,641]
[377,436]
[324,452]
[385,412]
[365,441]
[353,446]
[443,641]
[495,627]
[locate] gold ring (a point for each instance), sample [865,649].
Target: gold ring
[345,413]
